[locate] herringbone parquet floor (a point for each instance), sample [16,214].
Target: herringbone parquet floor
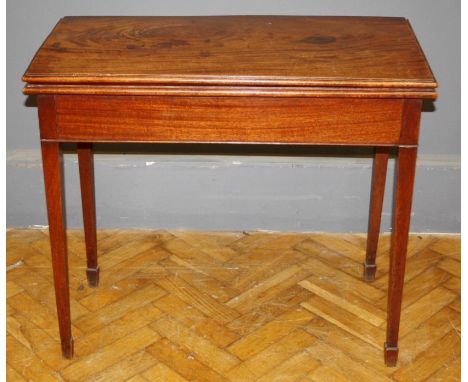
[181,306]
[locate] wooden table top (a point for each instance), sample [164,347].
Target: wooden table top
[304,51]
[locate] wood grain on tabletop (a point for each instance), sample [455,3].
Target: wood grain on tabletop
[234,50]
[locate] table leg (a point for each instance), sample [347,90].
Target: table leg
[379,175]
[85,163]
[53,179]
[405,172]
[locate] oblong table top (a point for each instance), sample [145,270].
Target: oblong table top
[231,51]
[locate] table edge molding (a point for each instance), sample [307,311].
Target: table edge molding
[231,91]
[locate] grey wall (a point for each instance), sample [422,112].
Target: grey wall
[169,187]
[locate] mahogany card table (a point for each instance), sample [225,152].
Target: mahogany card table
[289,80]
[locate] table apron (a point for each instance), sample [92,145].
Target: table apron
[277,120]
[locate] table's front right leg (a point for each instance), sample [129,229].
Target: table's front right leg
[53,179]
[405,173]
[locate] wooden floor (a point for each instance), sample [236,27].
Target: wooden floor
[180,306]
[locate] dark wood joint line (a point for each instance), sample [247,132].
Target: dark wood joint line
[390,354]
[92,275]
[369,271]
[68,348]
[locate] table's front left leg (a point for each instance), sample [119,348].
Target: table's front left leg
[85,163]
[405,172]
[53,179]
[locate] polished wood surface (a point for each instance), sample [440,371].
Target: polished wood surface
[404,182]
[379,176]
[166,308]
[231,91]
[227,119]
[369,52]
[86,166]
[53,180]
[354,81]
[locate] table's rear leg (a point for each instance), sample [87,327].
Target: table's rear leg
[379,174]
[405,172]
[85,163]
[53,179]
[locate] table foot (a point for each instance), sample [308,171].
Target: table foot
[390,354]
[93,276]
[67,348]
[369,272]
